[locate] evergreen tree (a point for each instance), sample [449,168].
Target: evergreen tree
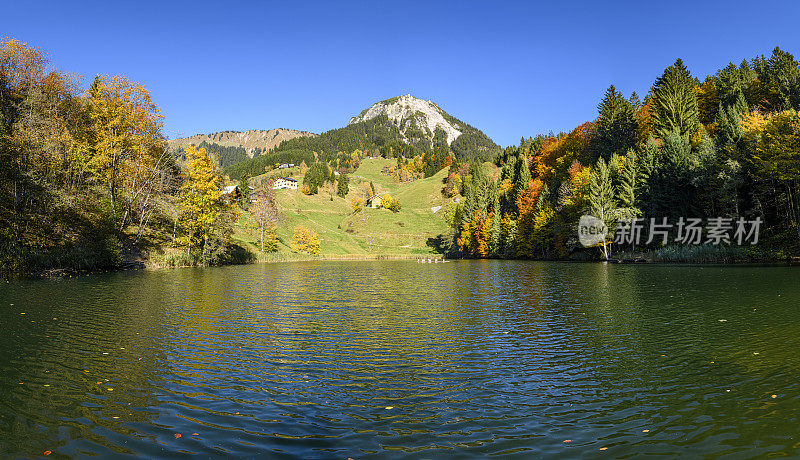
[729,128]
[601,197]
[616,125]
[343,186]
[523,178]
[629,181]
[675,102]
[494,242]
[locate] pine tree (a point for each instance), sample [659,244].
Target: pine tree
[729,128]
[616,125]
[343,188]
[523,178]
[601,197]
[627,190]
[494,242]
[675,102]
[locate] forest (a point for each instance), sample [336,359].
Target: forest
[721,149]
[87,181]
[375,137]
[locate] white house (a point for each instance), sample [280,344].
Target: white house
[231,194]
[375,201]
[284,183]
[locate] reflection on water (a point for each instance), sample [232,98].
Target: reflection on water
[383,359]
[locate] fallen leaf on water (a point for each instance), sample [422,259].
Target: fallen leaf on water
[645,431]
[177,435]
[110,389]
[22,313]
[567,440]
[47,452]
[390,407]
[604,448]
[774,396]
[722,320]
[195,434]
[756,353]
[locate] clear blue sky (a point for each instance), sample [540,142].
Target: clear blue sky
[511,69]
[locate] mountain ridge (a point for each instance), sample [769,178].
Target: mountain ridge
[253,140]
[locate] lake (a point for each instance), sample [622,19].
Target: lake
[395,359]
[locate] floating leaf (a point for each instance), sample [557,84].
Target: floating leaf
[177,435]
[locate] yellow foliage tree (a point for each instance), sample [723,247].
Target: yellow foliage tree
[128,144]
[357,203]
[392,204]
[305,240]
[201,198]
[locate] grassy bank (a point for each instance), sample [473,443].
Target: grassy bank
[703,254]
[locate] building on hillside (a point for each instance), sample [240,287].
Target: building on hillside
[231,194]
[284,183]
[375,201]
[286,165]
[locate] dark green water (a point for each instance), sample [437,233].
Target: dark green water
[399,359]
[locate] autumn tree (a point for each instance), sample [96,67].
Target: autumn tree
[773,145]
[201,198]
[305,240]
[266,214]
[127,145]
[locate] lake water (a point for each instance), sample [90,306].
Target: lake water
[398,359]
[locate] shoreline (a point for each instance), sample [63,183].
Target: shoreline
[61,273]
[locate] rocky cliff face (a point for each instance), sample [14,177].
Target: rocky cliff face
[416,118]
[249,140]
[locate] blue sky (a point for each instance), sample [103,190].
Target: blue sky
[511,69]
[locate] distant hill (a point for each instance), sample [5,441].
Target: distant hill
[400,126]
[254,141]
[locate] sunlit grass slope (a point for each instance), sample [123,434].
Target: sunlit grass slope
[342,232]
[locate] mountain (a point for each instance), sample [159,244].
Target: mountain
[422,123]
[253,141]
[416,118]
[401,126]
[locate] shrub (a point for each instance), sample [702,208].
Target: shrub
[357,203]
[305,240]
[392,204]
